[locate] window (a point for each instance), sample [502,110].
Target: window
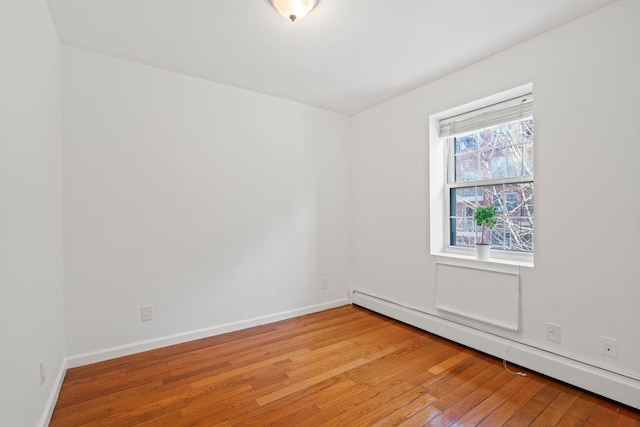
[487,156]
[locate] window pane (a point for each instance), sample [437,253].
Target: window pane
[463,232]
[495,137]
[526,131]
[500,151]
[466,143]
[527,159]
[497,235]
[526,191]
[518,233]
[466,167]
[514,227]
[520,160]
[508,235]
[526,234]
[515,159]
[493,163]
[498,166]
[491,194]
[517,200]
[464,201]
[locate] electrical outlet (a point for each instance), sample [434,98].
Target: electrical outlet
[553,332]
[609,347]
[146,313]
[325,283]
[43,370]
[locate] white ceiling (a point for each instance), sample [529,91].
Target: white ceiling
[345,56]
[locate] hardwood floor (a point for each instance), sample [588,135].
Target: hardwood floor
[346,366]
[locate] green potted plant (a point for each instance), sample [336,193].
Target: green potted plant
[485,217]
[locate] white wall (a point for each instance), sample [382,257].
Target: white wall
[31,294]
[211,203]
[586,86]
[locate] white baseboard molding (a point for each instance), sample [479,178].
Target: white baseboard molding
[53,396]
[155,343]
[609,384]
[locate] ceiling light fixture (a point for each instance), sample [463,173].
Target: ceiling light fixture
[294,9]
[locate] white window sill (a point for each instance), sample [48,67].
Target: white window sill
[468,259]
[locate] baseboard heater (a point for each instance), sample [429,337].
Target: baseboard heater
[618,387]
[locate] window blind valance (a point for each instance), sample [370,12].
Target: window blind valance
[503,112]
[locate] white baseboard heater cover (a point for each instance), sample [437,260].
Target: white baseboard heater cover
[490,297]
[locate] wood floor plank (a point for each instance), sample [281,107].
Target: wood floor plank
[375,351]
[579,411]
[421,377]
[345,366]
[557,408]
[407,383]
[484,398]
[368,376]
[317,401]
[506,409]
[602,415]
[369,395]
[263,400]
[411,407]
[533,408]
[299,406]
[453,396]
[626,417]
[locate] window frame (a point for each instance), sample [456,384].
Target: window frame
[440,163]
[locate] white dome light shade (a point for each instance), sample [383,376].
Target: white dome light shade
[294,9]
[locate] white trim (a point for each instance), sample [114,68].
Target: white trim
[53,396]
[155,343]
[606,383]
[467,257]
[522,179]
